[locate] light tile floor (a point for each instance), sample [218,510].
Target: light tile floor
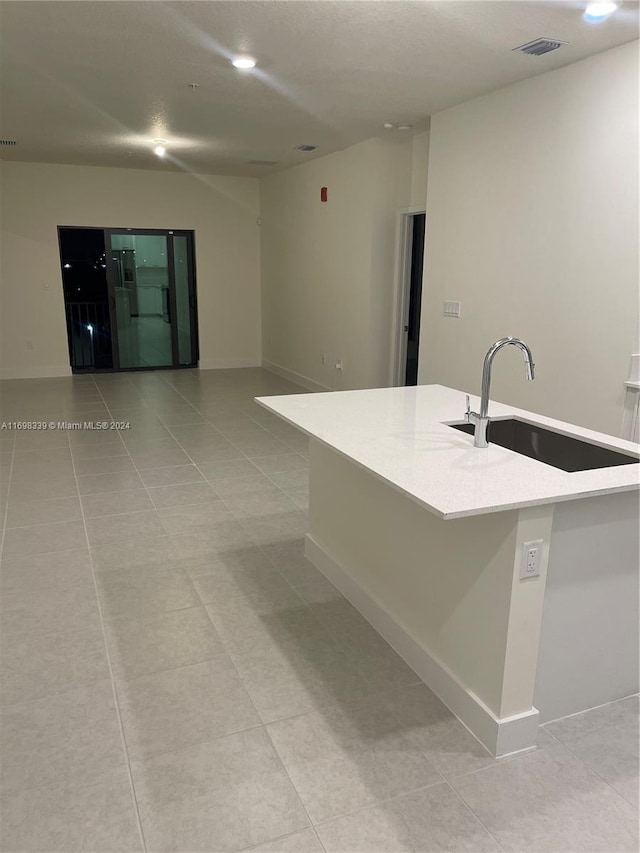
[177,677]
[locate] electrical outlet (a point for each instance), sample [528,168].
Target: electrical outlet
[338,365]
[531,562]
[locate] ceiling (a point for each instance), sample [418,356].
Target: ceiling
[95,82]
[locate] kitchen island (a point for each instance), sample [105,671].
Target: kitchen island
[425,534]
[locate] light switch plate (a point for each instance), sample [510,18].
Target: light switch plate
[451,309]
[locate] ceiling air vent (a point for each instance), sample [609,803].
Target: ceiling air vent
[305,147]
[7,142]
[538,47]
[262,162]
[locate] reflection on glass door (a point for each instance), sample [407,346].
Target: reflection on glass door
[152,298]
[141,291]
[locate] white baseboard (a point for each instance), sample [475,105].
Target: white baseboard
[501,736]
[35,372]
[227,363]
[292,376]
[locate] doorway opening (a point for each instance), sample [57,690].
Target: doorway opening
[130,298]
[411,255]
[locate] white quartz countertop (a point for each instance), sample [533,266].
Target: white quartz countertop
[401,436]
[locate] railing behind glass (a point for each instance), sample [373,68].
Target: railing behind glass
[89,333]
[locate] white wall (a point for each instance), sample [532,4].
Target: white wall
[36,198]
[445,594]
[532,222]
[590,644]
[328,269]
[419,161]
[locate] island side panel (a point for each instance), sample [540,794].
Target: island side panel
[447,584]
[525,619]
[589,646]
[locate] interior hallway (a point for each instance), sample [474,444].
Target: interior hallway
[177,677]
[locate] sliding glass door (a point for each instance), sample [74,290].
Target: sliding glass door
[130,298]
[182,264]
[152,298]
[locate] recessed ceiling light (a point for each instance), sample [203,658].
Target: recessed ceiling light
[405,127]
[160,149]
[243,62]
[388,126]
[600,10]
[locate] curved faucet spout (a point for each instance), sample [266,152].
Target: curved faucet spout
[493,350]
[481,420]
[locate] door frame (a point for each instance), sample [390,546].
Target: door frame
[193,294]
[193,299]
[402,291]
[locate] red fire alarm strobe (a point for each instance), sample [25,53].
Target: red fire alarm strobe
[323,193]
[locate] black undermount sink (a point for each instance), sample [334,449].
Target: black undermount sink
[552,448]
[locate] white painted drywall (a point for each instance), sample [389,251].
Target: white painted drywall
[590,638]
[36,198]
[328,268]
[532,222]
[452,586]
[419,163]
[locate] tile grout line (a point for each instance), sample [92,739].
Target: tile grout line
[329,633]
[584,763]
[187,574]
[138,488]
[139,474]
[331,638]
[293,784]
[276,753]
[588,711]
[109,663]
[239,449]
[311,828]
[471,811]
[236,518]
[154,672]
[6,508]
[264,725]
[443,779]
[379,803]
[196,743]
[198,597]
[244,525]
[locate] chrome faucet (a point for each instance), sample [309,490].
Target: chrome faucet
[481,421]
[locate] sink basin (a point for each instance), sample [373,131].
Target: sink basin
[552,448]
